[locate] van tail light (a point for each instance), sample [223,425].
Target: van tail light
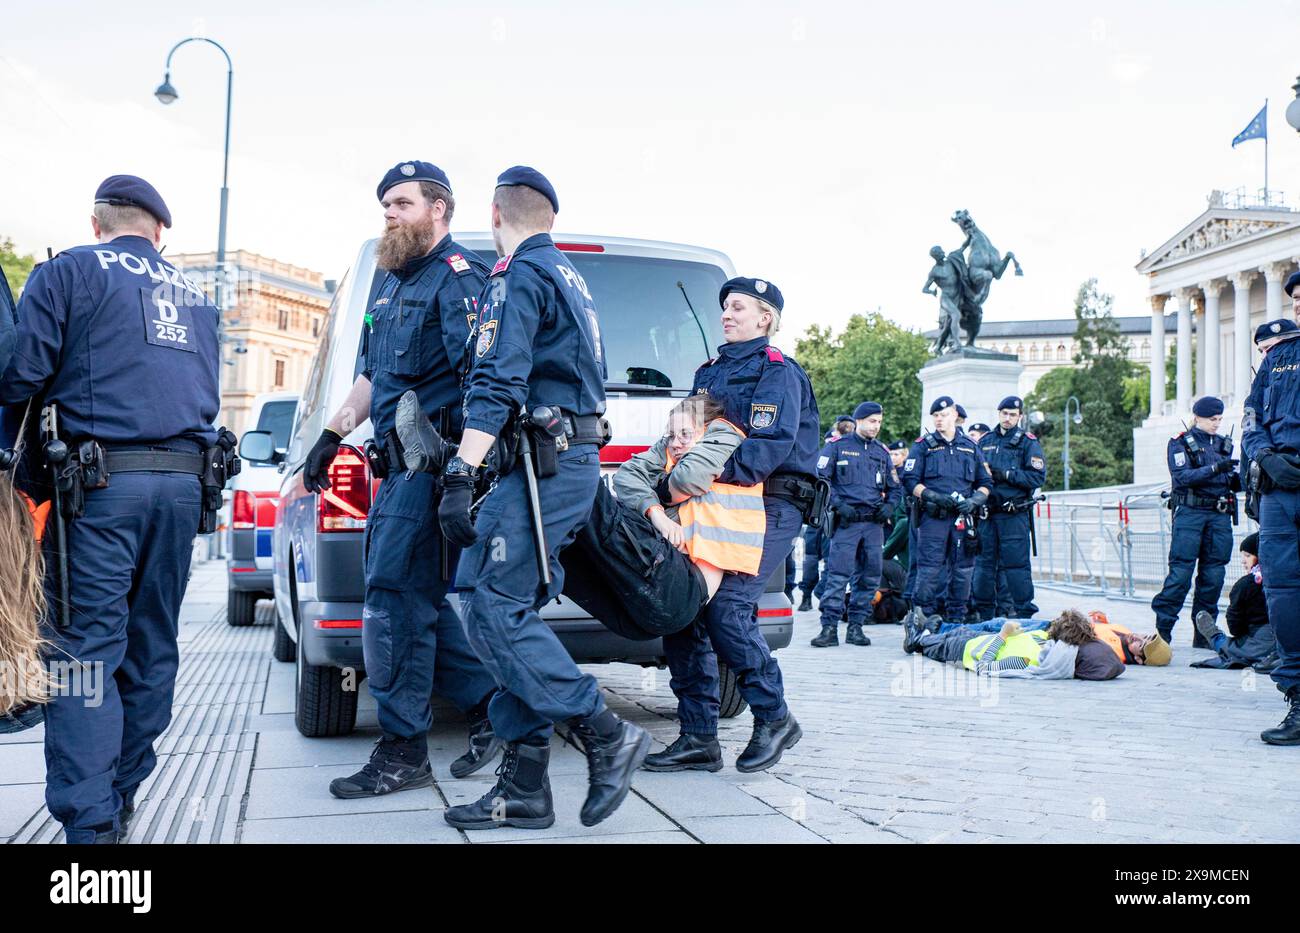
[343,507]
[243,510]
[614,454]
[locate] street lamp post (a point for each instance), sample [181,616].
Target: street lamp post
[1293,110]
[1065,448]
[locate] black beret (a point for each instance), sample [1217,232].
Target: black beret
[123,190]
[898,445]
[839,418]
[412,171]
[977,426]
[530,178]
[866,410]
[756,288]
[941,403]
[1291,283]
[1012,401]
[961,412]
[1250,543]
[1207,407]
[1276,328]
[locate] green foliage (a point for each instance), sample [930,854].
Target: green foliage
[1092,463]
[16,267]
[873,359]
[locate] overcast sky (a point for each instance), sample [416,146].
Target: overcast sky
[822,145]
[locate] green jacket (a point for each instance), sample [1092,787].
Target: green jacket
[634,483]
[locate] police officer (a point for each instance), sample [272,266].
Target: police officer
[977,431]
[1016,459]
[769,396]
[413,339]
[947,476]
[1204,477]
[537,344]
[126,348]
[816,543]
[898,544]
[864,491]
[1271,437]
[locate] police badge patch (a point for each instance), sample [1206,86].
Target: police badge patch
[1180,459]
[458,263]
[822,461]
[1036,463]
[408,170]
[909,464]
[762,416]
[487,335]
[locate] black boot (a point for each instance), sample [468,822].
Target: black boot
[423,449]
[1287,732]
[829,637]
[1206,628]
[855,635]
[483,744]
[395,764]
[521,796]
[615,749]
[124,817]
[107,837]
[767,743]
[805,604]
[913,628]
[690,752]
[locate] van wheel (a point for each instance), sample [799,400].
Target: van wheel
[322,706]
[241,608]
[283,648]
[731,703]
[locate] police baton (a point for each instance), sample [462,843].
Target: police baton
[1033,530]
[56,455]
[534,502]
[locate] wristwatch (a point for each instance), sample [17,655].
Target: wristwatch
[458,467]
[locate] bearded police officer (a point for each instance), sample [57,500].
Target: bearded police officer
[413,340]
[1271,438]
[1016,459]
[864,491]
[123,350]
[949,480]
[538,346]
[1204,478]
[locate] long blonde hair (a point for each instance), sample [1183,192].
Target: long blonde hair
[22,601]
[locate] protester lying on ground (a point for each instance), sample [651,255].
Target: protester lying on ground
[889,606]
[22,606]
[1250,641]
[1067,648]
[674,484]
[1129,647]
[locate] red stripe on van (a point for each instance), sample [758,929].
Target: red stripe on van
[621,453]
[580,247]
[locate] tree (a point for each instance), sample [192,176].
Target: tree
[873,359]
[16,267]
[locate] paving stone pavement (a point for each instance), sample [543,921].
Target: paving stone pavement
[896,749]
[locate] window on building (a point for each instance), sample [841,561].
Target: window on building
[279,372]
[1020,351]
[1033,353]
[1060,353]
[1146,350]
[1006,348]
[284,319]
[315,326]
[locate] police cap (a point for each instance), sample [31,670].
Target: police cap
[866,410]
[130,190]
[977,426]
[1012,401]
[412,171]
[942,403]
[1276,328]
[898,445]
[757,288]
[1207,407]
[961,412]
[529,178]
[839,418]
[1291,283]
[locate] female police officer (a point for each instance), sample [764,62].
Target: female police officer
[771,398]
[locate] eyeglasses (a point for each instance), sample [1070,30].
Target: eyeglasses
[684,436]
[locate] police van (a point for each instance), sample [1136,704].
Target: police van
[659,318]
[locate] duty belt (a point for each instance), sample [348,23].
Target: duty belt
[1022,506]
[1221,504]
[583,429]
[152,461]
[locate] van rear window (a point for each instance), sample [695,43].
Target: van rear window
[277,417]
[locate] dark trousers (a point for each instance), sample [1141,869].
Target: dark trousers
[501,593]
[1004,560]
[944,567]
[728,629]
[947,646]
[856,555]
[1279,555]
[1201,541]
[413,641]
[812,558]
[129,556]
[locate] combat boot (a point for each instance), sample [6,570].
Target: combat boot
[913,628]
[805,604]
[855,635]
[1287,732]
[395,764]
[424,450]
[521,796]
[483,745]
[690,752]
[615,749]
[769,741]
[829,637]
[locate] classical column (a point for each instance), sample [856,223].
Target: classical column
[1158,354]
[1183,379]
[1274,272]
[1241,335]
[1198,313]
[1210,336]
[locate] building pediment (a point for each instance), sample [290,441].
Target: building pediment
[1218,228]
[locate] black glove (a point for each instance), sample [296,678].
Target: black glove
[453,510]
[846,513]
[938,500]
[315,471]
[1280,470]
[663,492]
[973,503]
[1004,475]
[1226,466]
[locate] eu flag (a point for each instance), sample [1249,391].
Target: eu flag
[1258,128]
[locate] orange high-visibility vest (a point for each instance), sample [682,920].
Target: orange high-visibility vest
[1109,633]
[39,514]
[725,526]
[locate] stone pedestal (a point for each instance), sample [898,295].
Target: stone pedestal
[976,379]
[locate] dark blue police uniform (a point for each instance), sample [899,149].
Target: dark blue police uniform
[1016,460]
[770,397]
[1201,467]
[414,643]
[126,347]
[538,342]
[864,490]
[943,553]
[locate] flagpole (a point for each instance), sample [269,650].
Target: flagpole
[1266,202]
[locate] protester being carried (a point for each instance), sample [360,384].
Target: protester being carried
[23,683]
[1250,641]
